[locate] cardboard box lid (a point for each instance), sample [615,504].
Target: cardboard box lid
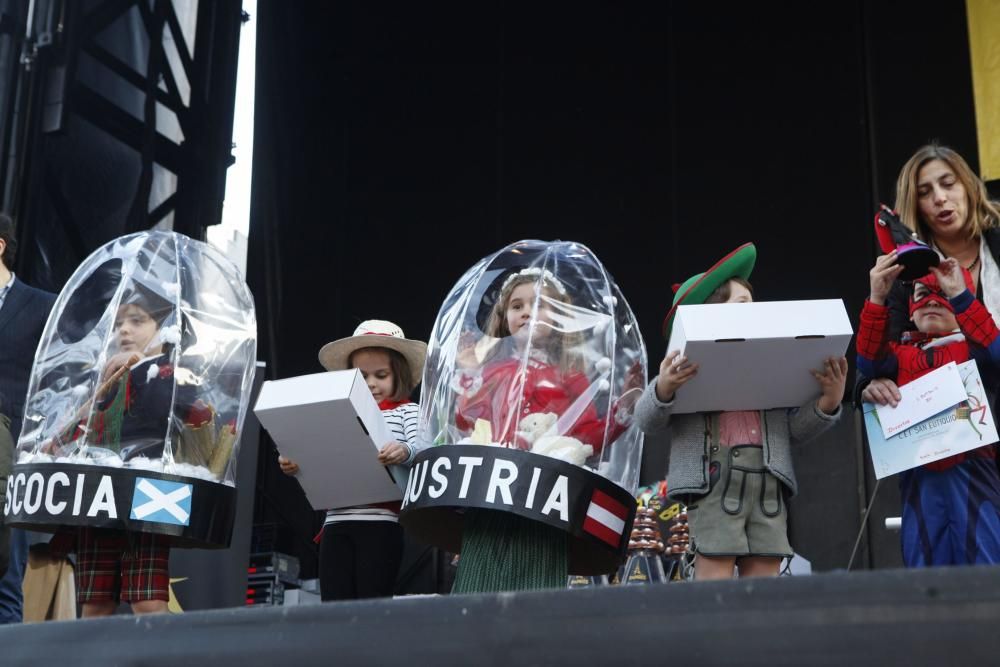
[331,426]
[756,356]
[763,319]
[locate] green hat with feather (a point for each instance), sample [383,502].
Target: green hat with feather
[695,290]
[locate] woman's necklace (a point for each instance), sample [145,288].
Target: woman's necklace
[952,251]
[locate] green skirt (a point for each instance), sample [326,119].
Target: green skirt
[506,552]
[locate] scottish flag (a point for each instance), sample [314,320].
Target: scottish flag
[161,501]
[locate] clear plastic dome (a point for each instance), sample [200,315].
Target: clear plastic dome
[535,348]
[146,362]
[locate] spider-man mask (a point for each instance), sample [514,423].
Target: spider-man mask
[936,295]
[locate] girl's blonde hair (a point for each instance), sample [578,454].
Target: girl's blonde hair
[983,214]
[402,377]
[562,348]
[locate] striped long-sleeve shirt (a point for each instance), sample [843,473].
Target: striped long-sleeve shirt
[402,423]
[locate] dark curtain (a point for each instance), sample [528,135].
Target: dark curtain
[397,143]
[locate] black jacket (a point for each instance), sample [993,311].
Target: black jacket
[22,320]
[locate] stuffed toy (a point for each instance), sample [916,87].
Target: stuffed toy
[534,432]
[564,448]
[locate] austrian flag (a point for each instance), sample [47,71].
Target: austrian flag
[605,518]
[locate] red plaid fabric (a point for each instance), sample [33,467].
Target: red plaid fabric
[873,332]
[116,565]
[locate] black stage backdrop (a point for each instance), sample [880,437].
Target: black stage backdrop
[397,143]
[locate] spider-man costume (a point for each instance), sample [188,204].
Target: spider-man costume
[951,507]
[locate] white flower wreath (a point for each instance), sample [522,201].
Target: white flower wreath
[544,274]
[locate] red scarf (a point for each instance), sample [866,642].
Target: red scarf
[389,404]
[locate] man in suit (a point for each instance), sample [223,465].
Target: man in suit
[23,313]
[6,463]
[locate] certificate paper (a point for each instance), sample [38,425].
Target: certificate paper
[923,398]
[957,429]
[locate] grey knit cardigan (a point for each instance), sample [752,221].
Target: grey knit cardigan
[691,437]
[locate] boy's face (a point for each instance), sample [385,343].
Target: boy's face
[933,317]
[135,330]
[738,293]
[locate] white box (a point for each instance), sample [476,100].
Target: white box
[755,356]
[331,426]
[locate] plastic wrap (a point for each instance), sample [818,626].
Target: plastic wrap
[536,349]
[146,362]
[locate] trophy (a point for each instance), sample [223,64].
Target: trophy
[677,543]
[645,545]
[587,581]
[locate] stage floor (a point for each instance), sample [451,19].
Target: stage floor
[897,617]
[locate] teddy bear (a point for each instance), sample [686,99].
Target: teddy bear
[536,432]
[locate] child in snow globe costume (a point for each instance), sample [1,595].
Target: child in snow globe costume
[135,404]
[534,352]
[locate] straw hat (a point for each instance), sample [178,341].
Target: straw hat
[336,356]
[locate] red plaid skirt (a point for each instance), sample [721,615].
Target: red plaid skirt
[122,565]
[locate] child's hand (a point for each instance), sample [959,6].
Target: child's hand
[882,276]
[634,378]
[950,277]
[675,370]
[831,380]
[393,453]
[466,357]
[288,466]
[882,391]
[50,447]
[635,381]
[115,362]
